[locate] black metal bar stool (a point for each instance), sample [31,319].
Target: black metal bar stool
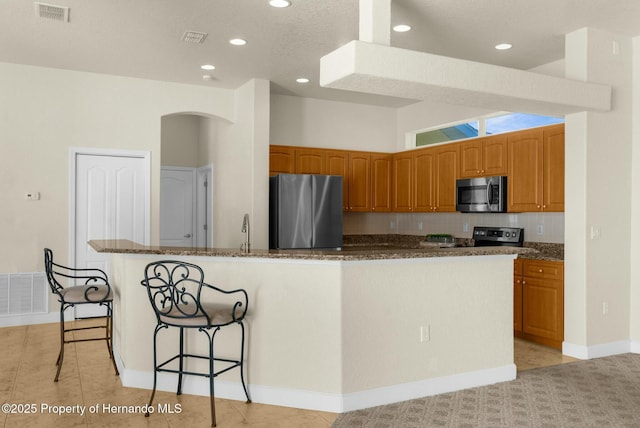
[86,286]
[180,298]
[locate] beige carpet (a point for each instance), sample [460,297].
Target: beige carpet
[603,392]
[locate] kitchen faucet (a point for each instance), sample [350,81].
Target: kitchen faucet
[246,246]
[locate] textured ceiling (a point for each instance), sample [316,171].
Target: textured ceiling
[142,38]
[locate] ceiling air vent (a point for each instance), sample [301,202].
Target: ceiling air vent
[194,37]
[51,11]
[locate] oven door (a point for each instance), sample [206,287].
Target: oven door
[482,195]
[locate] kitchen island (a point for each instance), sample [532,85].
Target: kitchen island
[337,330]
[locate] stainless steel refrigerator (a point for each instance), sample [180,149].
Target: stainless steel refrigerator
[305,211]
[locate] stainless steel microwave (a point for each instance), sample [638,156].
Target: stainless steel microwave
[482,195]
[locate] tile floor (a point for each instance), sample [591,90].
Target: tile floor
[28,355]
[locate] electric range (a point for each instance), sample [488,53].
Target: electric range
[485,236]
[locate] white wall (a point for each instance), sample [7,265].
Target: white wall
[310,122]
[635,201]
[45,111]
[180,140]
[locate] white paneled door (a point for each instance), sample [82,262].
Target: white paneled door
[111,202]
[177,202]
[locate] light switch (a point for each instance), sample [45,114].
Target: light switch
[595,232]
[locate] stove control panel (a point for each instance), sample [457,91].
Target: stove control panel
[508,236]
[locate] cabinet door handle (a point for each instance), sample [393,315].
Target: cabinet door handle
[540,270]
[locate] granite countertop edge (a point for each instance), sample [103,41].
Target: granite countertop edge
[361,251]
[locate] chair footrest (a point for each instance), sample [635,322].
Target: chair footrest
[161,367]
[87,340]
[92,318]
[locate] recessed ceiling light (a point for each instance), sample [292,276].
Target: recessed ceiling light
[280,3]
[238,42]
[503,46]
[208,67]
[302,80]
[401,28]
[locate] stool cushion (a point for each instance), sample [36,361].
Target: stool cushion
[219,314]
[76,294]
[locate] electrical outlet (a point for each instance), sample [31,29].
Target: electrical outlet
[605,308]
[425,333]
[540,229]
[465,227]
[420,226]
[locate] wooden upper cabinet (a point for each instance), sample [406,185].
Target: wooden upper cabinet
[494,155]
[445,176]
[524,183]
[423,176]
[536,170]
[310,161]
[359,182]
[483,157]
[402,194]
[435,175]
[381,167]
[471,159]
[281,160]
[337,163]
[424,180]
[553,168]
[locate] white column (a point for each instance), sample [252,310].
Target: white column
[375,20]
[597,199]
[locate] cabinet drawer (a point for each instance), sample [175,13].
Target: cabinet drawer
[543,269]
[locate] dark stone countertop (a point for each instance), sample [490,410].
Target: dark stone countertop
[536,250]
[372,250]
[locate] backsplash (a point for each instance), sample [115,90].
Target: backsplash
[538,227]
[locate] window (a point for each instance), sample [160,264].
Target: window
[450,133]
[515,121]
[487,125]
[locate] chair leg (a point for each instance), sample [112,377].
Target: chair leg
[155,369]
[61,353]
[244,385]
[212,395]
[110,338]
[181,362]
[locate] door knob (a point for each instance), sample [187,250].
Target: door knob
[188,235]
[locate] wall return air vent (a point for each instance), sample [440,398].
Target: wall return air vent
[51,11]
[194,37]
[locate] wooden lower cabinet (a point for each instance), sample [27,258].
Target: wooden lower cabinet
[539,301]
[517,296]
